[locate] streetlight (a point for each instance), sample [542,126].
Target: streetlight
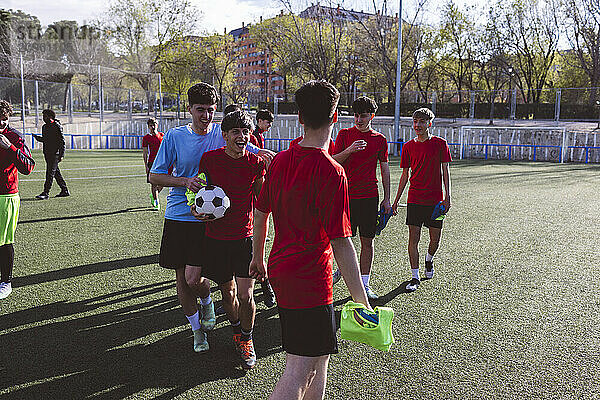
[513,92]
[398,73]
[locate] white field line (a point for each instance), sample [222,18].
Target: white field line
[43,170]
[87,177]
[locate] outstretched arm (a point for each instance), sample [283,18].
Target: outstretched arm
[401,186]
[22,156]
[257,268]
[193,183]
[446,178]
[385,181]
[345,257]
[343,155]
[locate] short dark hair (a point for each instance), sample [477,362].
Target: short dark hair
[6,107]
[363,105]
[265,115]
[424,113]
[231,108]
[151,121]
[202,93]
[49,113]
[237,119]
[317,102]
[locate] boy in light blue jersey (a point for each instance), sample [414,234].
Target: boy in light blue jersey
[182,148]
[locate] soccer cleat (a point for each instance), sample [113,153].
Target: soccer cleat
[371,294]
[439,212]
[156,205]
[5,289]
[428,269]
[208,319]
[382,220]
[337,275]
[63,193]
[269,294]
[42,196]
[413,285]
[200,342]
[236,341]
[246,351]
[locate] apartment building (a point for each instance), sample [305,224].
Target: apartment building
[255,73]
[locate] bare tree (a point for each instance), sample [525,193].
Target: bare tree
[583,33]
[531,30]
[143,30]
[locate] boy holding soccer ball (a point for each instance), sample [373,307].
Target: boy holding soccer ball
[228,242]
[425,159]
[183,235]
[307,192]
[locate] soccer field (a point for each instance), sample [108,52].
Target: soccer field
[513,311]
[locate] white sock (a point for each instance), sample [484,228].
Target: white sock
[415,273]
[205,301]
[365,280]
[194,321]
[428,257]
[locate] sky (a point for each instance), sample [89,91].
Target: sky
[216,14]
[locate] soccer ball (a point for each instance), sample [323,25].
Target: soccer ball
[213,201]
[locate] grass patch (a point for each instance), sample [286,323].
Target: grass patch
[512,312]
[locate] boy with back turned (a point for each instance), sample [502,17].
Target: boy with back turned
[307,192]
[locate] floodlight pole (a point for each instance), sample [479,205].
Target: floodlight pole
[100,99]
[398,76]
[23,95]
[160,99]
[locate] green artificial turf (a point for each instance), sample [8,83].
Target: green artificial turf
[513,310]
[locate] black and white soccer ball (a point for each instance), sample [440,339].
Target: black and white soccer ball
[213,201]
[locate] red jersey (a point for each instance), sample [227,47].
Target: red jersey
[257,138]
[425,162]
[330,150]
[361,167]
[16,158]
[307,192]
[152,142]
[235,176]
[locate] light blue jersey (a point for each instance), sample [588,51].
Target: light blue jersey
[182,148]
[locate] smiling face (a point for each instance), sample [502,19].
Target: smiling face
[363,121]
[421,126]
[236,140]
[202,116]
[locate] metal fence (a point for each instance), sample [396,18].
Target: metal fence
[541,143]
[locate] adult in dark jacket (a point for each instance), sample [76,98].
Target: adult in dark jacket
[54,151]
[14,158]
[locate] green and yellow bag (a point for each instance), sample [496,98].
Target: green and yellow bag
[372,328]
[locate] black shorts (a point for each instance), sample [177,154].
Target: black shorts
[363,216]
[419,215]
[224,259]
[308,332]
[182,244]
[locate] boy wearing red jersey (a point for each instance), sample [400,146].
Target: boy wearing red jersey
[359,149]
[228,242]
[150,145]
[264,120]
[426,157]
[14,157]
[307,192]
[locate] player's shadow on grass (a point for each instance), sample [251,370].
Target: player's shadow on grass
[131,341]
[80,270]
[68,217]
